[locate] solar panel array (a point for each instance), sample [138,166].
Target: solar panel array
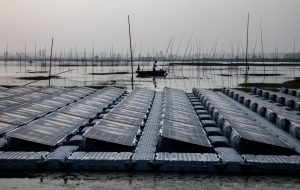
[142,131]
[260,102]
[239,127]
[123,122]
[279,97]
[284,117]
[180,121]
[273,121]
[56,126]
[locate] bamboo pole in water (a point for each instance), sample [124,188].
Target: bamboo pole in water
[6,52]
[131,58]
[262,46]
[25,55]
[294,48]
[50,61]
[247,41]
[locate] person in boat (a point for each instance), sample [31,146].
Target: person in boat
[138,69]
[154,66]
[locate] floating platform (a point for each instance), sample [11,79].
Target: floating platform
[83,129]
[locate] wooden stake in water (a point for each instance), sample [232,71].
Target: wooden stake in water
[50,61]
[262,46]
[247,48]
[131,59]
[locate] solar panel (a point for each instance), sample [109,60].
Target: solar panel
[183,119]
[185,132]
[114,132]
[136,103]
[133,107]
[80,110]
[42,131]
[16,117]
[66,118]
[246,133]
[5,127]
[127,112]
[8,104]
[5,95]
[95,103]
[51,90]
[124,119]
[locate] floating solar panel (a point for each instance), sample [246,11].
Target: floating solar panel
[8,104]
[4,95]
[80,110]
[183,137]
[18,90]
[6,127]
[124,119]
[52,90]
[16,117]
[193,120]
[41,107]
[247,136]
[95,103]
[45,132]
[113,132]
[66,118]
[133,107]
[130,113]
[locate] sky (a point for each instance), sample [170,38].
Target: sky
[77,24]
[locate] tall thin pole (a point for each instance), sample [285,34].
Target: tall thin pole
[6,53]
[247,46]
[294,48]
[50,61]
[131,59]
[262,46]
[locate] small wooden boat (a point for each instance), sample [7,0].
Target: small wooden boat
[151,73]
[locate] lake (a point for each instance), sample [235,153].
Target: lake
[181,77]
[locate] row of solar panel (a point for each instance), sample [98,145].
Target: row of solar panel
[285,119]
[261,105]
[279,97]
[55,127]
[269,126]
[19,96]
[123,123]
[22,114]
[245,134]
[292,92]
[181,129]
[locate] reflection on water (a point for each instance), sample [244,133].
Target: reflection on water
[165,181]
[181,77]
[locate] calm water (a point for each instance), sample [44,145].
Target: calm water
[181,77]
[148,181]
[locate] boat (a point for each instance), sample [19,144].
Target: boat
[155,73]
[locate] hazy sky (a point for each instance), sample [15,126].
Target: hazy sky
[77,23]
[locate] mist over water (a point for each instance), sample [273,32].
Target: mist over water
[76,24]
